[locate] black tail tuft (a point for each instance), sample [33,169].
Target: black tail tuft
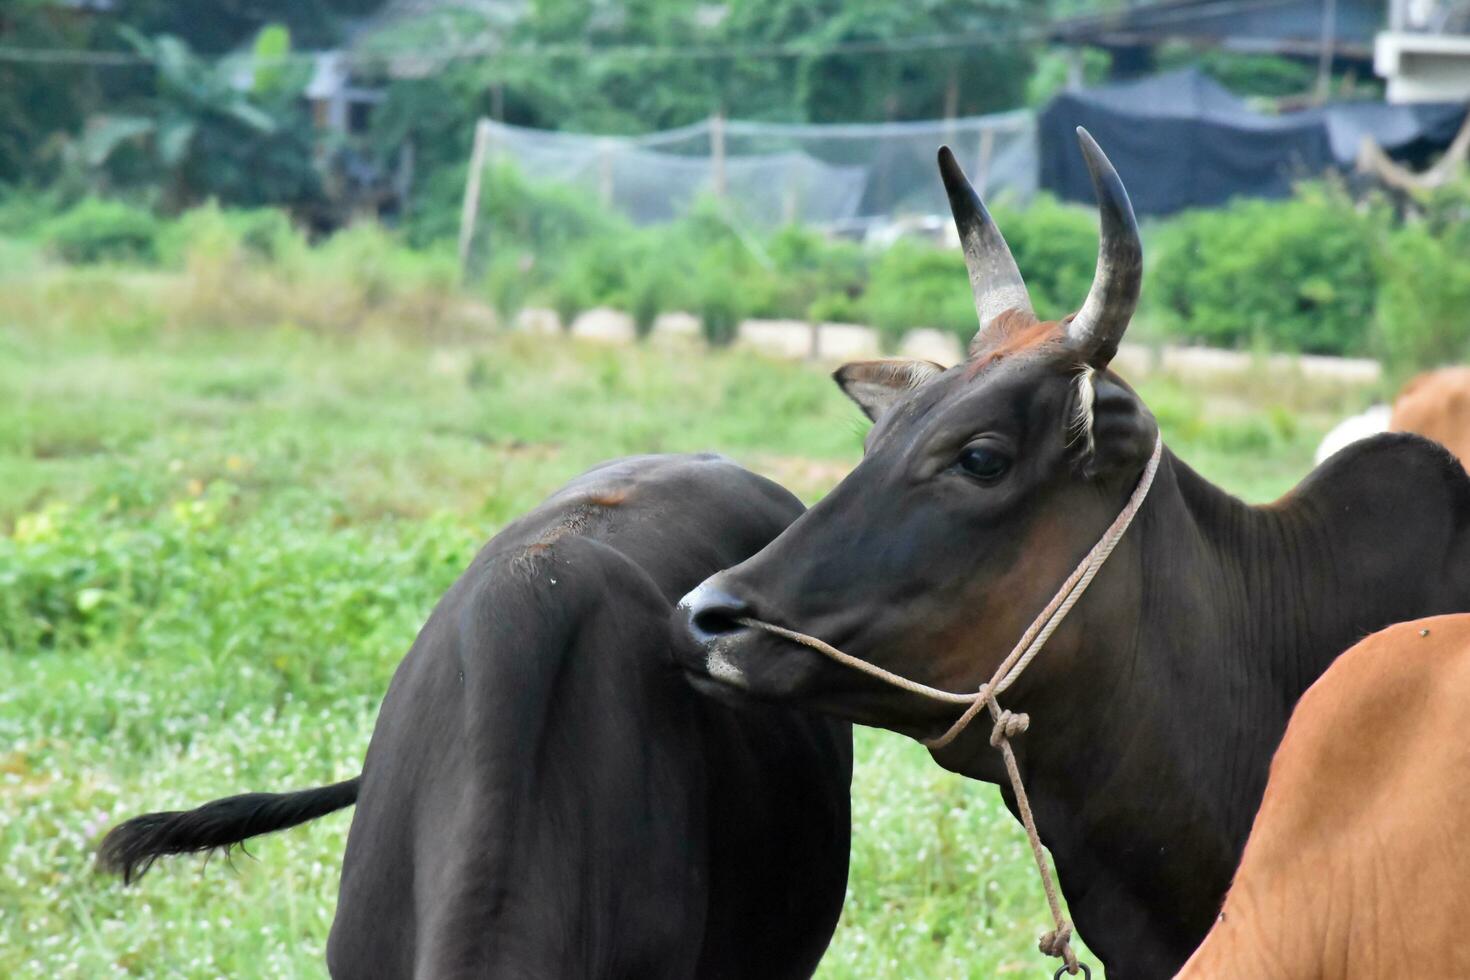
[130,848]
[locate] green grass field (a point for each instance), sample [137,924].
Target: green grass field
[215,547]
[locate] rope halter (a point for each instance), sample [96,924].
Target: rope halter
[1008,724]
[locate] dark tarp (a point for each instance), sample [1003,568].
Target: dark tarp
[1182,140]
[1262,26]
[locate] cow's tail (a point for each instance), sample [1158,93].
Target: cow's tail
[130,848]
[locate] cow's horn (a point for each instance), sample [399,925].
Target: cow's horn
[1098,327]
[994,278]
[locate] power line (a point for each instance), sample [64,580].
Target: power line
[417,64]
[631,52]
[69,56]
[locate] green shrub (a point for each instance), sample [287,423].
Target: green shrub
[546,219]
[96,230]
[1295,275]
[835,308]
[916,285]
[719,305]
[1445,212]
[370,260]
[1055,68]
[1055,247]
[25,210]
[1424,302]
[433,213]
[19,259]
[1248,434]
[806,267]
[1261,75]
[267,233]
[210,233]
[572,292]
[508,282]
[650,292]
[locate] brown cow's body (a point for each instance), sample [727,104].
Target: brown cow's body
[1437,405]
[1359,861]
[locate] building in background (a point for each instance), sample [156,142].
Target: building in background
[1424,55]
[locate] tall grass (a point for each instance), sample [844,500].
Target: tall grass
[215,544]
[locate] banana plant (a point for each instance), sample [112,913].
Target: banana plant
[193,93]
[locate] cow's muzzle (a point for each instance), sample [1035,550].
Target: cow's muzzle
[712,614]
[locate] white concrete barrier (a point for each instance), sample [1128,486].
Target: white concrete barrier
[779,338]
[793,340]
[932,345]
[1204,362]
[681,328]
[604,326]
[847,341]
[536,320]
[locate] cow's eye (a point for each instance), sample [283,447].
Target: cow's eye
[983,463]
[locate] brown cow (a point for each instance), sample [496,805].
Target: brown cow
[1436,404]
[1359,860]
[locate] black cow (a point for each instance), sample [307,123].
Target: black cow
[1157,704]
[544,795]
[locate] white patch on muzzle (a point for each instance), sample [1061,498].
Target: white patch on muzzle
[723,669]
[691,597]
[716,664]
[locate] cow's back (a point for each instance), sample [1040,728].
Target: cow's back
[1436,404]
[1358,858]
[544,795]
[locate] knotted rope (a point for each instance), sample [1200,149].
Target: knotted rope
[1007,724]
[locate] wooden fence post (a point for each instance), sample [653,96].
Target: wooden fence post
[470,213]
[605,173]
[717,152]
[982,165]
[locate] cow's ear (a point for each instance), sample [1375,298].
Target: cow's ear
[877,385]
[1112,429]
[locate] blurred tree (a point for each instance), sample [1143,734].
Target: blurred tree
[43,102]
[653,64]
[40,103]
[219,26]
[599,65]
[877,84]
[207,133]
[1244,74]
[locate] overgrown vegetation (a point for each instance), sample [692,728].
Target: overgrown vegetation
[216,541]
[173,109]
[176,104]
[1318,273]
[1301,274]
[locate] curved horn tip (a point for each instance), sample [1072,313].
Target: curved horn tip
[1090,148]
[1105,180]
[994,278]
[1100,324]
[952,173]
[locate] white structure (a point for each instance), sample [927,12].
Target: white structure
[1353,428]
[336,103]
[1425,53]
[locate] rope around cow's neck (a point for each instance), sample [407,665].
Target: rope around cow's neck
[1008,724]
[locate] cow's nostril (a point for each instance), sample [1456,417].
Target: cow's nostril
[713,613]
[717,621]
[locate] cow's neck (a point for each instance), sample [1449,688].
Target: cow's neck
[1148,756]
